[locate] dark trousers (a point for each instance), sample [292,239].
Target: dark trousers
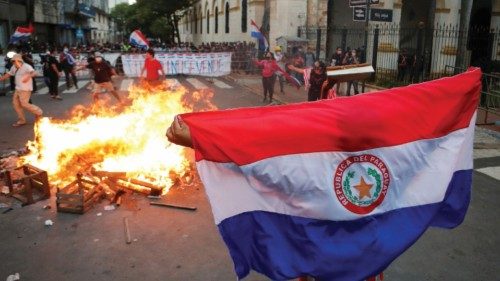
[313,95]
[67,73]
[53,85]
[402,73]
[354,85]
[268,84]
[12,83]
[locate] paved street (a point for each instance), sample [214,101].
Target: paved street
[174,244]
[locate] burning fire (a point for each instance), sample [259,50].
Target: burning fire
[127,139]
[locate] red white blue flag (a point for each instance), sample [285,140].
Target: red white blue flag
[338,189]
[138,39]
[255,32]
[22,33]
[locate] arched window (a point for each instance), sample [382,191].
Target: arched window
[195,22]
[216,19]
[201,21]
[208,21]
[227,17]
[244,20]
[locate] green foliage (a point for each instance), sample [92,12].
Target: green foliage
[155,18]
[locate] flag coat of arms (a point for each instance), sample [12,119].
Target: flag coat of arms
[338,189]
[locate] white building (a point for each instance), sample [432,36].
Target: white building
[101,27]
[229,20]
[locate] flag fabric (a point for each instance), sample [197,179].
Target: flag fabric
[21,33]
[338,189]
[256,33]
[138,39]
[292,80]
[306,76]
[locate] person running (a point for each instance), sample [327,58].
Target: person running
[102,77]
[23,73]
[152,66]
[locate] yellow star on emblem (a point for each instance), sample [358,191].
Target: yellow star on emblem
[364,189]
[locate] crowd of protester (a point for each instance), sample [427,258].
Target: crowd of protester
[301,64]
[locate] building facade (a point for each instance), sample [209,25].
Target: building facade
[229,20]
[12,14]
[58,21]
[447,32]
[442,33]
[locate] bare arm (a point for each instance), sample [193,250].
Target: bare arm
[257,62]
[296,69]
[5,76]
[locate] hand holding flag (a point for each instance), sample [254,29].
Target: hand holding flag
[312,196]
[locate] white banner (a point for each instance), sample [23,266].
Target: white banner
[204,64]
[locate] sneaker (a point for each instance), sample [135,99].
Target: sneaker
[18,124]
[57,97]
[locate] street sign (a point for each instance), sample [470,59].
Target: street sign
[354,3]
[359,14]
[384,15]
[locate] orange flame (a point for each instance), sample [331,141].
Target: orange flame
[127,139]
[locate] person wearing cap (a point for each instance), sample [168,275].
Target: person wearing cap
[102,77]
[23,74]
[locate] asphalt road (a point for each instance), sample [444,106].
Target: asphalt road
[171,244]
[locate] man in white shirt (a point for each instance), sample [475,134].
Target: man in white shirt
[23,74]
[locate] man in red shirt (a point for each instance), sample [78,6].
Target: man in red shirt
[152,66]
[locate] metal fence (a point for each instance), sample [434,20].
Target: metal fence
[427,50]
[490,96]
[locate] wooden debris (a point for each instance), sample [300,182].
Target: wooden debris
[32,179]
[173,206]
[79,196]
[128,240]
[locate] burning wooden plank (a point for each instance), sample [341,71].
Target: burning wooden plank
[79,196]
[121,179]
